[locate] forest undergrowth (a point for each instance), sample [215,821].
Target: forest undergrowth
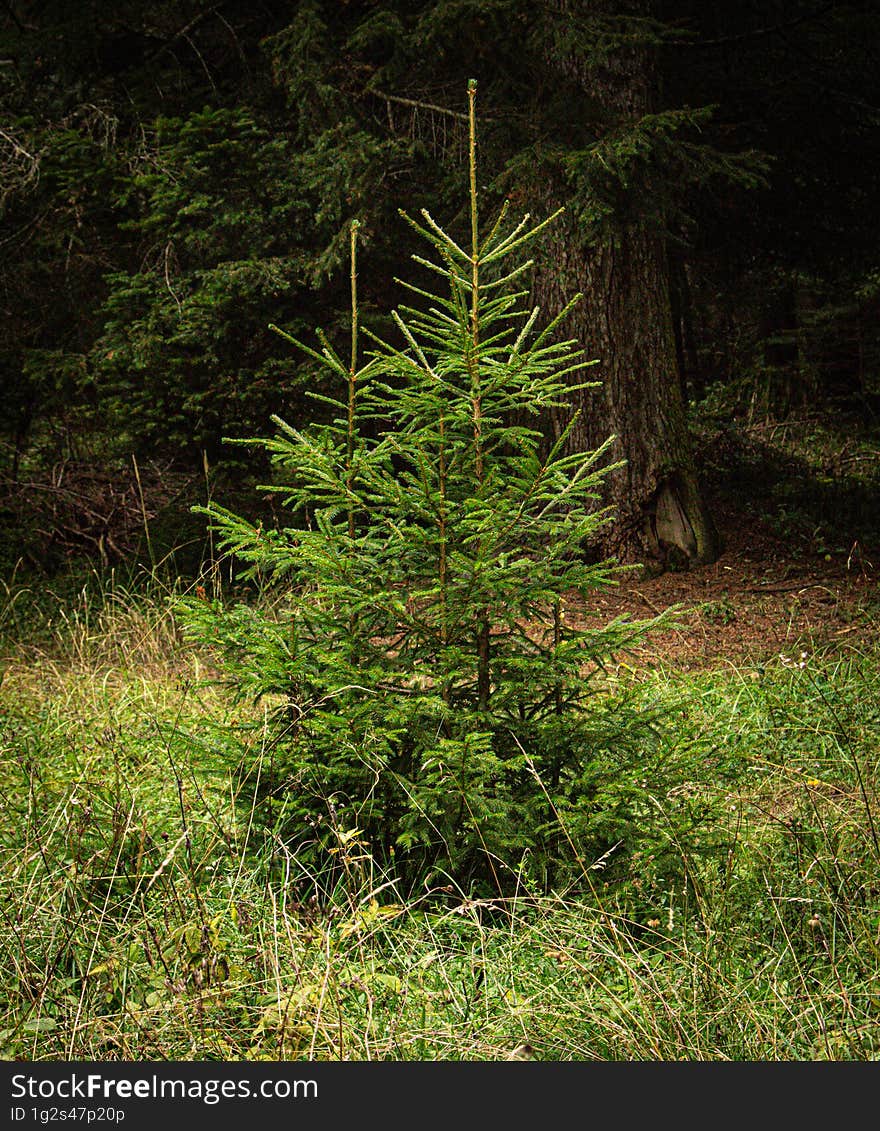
[151,911]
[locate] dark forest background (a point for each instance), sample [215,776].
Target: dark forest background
[174,177]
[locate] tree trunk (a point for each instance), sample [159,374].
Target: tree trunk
[625,321]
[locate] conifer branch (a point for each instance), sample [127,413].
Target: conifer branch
[410,337]
[509,244]
[447,240]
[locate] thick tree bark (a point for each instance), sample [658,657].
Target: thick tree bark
[625,321]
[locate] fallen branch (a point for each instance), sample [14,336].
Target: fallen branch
[789,587]
[415,104]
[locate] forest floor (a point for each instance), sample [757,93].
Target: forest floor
[800,566]
[760,599]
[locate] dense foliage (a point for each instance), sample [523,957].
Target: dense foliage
[174,176]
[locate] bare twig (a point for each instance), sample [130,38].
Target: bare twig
[416,104]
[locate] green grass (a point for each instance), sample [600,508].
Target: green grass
[148,914]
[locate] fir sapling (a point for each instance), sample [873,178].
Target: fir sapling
[431,692]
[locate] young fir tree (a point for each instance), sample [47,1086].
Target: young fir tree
[435,696]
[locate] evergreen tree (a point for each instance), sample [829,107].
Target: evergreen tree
[434,695]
